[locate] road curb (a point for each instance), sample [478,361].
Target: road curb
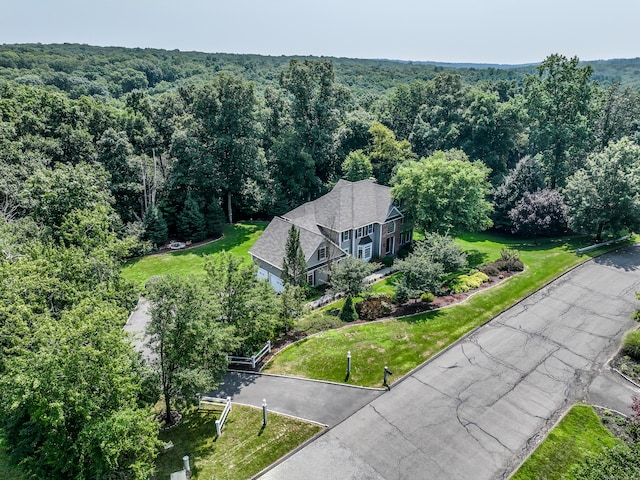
[377,389]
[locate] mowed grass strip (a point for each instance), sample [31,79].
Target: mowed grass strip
[579,434]
[243,449]
[403,344]
[237,239]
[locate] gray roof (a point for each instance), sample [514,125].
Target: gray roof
[349,205]
[271,245]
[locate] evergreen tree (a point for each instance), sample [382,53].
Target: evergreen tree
[294,264]
[155,227]
[348,312]
[215,218]
[191,223]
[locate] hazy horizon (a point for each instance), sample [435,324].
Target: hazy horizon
[496,32]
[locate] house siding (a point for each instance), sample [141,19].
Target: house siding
[386,235]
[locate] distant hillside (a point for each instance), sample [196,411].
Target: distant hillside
[113,71]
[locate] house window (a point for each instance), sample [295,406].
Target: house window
[322,253]
[364,252]
[366,230]
[346,235]
[310,277]
[391,227]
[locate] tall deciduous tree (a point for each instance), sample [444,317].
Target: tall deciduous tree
[386,153]
[445,193]
[604,195]
[315,109]
[189,347]
[357,166]
[294,264]
[228,130]
[71,393]
[558,100]
[438,124]
[243,301]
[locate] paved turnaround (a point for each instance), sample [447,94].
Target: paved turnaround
[478,409]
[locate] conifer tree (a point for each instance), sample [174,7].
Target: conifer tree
[155,226]
[294,264]
[348,312]
[191,223]
[215,218]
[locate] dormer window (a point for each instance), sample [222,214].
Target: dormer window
[322,253]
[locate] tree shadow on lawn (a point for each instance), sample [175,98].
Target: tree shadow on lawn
[193,436]
[234,236]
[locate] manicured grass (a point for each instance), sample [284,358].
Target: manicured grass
[578,435]
[403,344]
[7,469]
[237,239]
[243,449]
[386,286]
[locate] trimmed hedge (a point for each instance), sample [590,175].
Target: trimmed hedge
[631,344]
[465,283]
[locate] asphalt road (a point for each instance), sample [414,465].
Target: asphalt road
[478,409]
[322,402]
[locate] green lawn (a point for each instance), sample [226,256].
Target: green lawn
[243,449]
[403,344]
[237,239]
[579,434]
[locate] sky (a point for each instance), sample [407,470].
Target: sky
[476,31]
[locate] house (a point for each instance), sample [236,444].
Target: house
[355,218]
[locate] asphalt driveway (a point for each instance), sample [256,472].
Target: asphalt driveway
[479,408]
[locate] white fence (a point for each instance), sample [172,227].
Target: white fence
[253,360]
[224,403]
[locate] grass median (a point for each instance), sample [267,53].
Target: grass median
[403,344]
[237,239]
[579,434]
[243,449]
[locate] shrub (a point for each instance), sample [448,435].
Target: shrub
[631,344]
[348,312]
[489,269]
[427,297]
[509,261]
[374,306]
[387,261]
[402,295]
[465,283]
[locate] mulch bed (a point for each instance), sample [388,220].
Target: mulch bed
[412,307]
[176,418]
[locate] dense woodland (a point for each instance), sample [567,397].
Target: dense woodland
[106,153]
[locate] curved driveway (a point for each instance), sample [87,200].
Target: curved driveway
[478,409]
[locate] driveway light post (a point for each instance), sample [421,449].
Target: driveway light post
[264,412]
[348,363]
